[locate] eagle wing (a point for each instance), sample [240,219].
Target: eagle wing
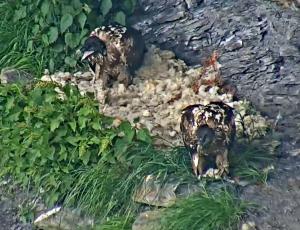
[188,128]
[125,45]
[216,116]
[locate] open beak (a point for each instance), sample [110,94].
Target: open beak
[86,54]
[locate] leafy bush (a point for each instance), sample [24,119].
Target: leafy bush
[44,138]
[53,30]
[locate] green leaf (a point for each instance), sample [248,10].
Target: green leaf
[35,29]
[30,46]
[129,5]
[83,36]
[72,125]
[52,198]
[121,147]
[10,103]
[45,39]
[120,17]
[72,40]
[20,14]
[65,22]
[73,140]
[127,129]
[84,155]
[94,140]
[82,122]
[42,23]
[77,4]
[45,7]
[105,6]
[144,135]
[51,65]
[67,9]
[52,34]
[58,47]
[83,33]
[70,61]
[85,111]
[82,19]
[54,124]
[96,125]
[86,8]
[104,144]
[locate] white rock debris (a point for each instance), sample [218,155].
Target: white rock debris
[161,88]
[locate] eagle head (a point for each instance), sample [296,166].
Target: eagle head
[93,47]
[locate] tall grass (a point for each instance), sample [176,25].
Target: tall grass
[14,50]
[205,211]
[120,223]
[107,189]
[248,161]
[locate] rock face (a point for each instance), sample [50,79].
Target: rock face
[258,43]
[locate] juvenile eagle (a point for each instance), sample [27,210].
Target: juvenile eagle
[117,50]
[208,131]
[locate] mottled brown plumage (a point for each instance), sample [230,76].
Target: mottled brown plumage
[117,50]
[208,131]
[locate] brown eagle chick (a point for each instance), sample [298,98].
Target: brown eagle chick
[208,131]
[114,52]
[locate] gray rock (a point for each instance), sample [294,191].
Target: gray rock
[155,192]
[163,193]
[149,220]
[10,76]
[258,43]
[278,200]
[63,219]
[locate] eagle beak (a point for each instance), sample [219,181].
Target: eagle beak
[86,54]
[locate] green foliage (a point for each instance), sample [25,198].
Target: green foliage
[14,50]
[26,211]
[251,162]
[106,190]
[43,138]
[49,31]
[59,144]
[205,211]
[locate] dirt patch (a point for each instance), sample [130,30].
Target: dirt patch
[9,209]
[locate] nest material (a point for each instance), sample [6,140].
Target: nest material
[161,88]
